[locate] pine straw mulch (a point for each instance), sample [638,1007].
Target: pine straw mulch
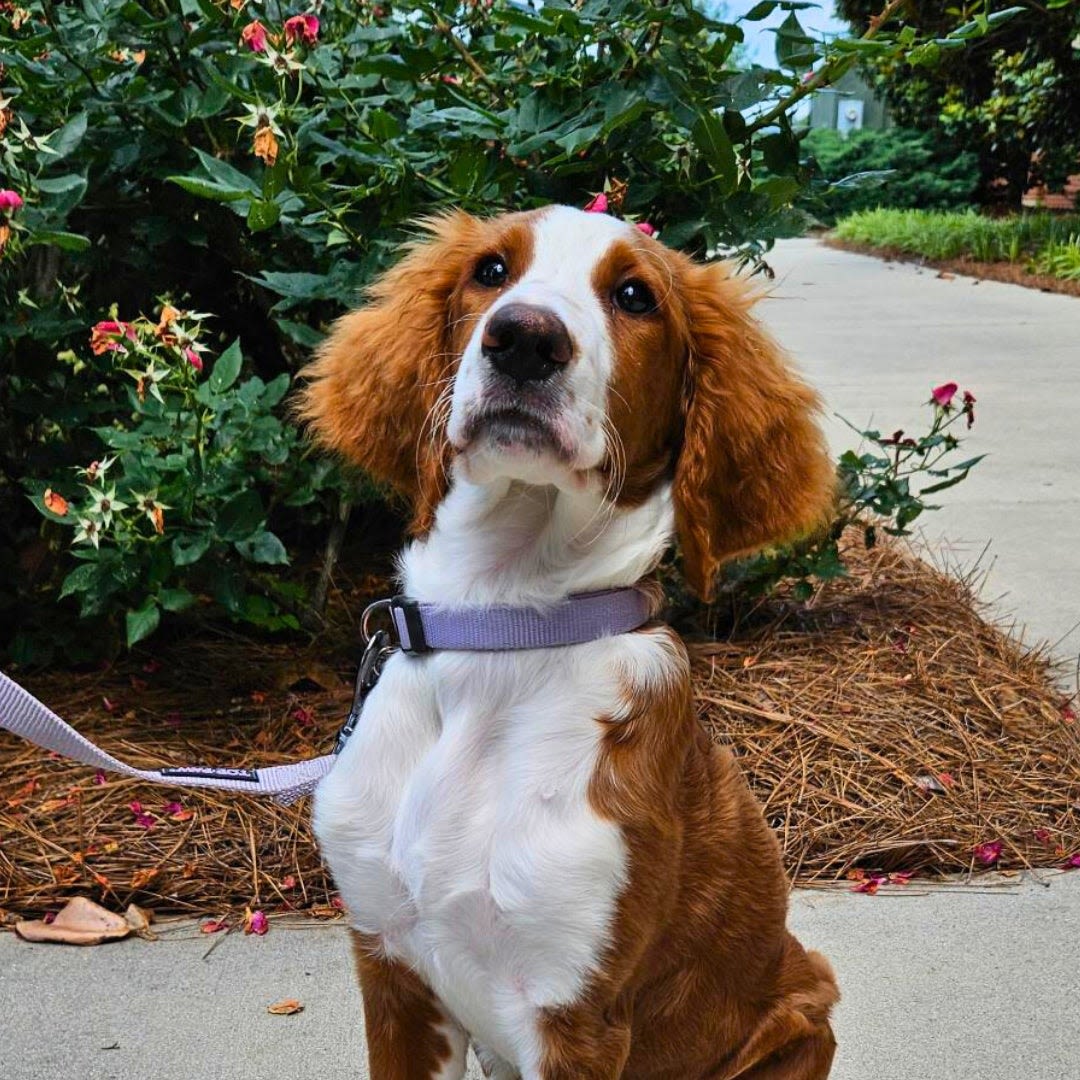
[885,727]
[1007,273]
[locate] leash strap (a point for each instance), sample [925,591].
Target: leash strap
[420,628]
[22,714]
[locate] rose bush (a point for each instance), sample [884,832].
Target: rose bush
[264,161]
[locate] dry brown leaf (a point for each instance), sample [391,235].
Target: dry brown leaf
[139,919]
[288,1007]
[81,922]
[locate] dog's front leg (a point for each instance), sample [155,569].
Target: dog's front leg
[409,1034]
[583,1042]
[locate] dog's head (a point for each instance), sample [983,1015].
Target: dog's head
[565,348]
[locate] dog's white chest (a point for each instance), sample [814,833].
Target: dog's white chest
[458,827]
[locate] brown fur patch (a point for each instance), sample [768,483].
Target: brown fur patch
[702,392]
[374,391]
[754,469]
[701,978]
[401,1017]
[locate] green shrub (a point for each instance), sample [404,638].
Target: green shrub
[957,235]
[180,503]
[902,168]
[264,163]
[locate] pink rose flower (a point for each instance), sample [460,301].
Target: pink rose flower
[10,200]
[598,204]
[942,395]
[302,28]
[646,228]
[254,36]
[194,359]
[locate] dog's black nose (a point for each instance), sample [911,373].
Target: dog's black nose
[526,343]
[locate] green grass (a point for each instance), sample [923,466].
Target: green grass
[966,234]
[1060,259]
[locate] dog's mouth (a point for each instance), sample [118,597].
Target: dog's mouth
[516,428]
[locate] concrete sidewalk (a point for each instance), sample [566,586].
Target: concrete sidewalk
[962,983]
[951,985]
[874,337]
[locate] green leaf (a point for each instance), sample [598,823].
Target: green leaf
[712,140]
[81,579]
[67,138]
[206,189]
[301,333]
[175,599]
[60,184]
[226,368]
[240,516]
[793,47]
[264,547]
[142,622]
[190,549]
[66,241]
[262,215]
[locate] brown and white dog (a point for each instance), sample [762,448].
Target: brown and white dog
[541,851]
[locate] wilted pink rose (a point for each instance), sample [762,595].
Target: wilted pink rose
[171,808]
[194,359]
[303,28]
[254,36]
[598,204]
[99,777]
[256,923]
[10,200]
[1043,836]
[303,716]
[135,807]
[1073,862]
[969,407]
[646,228]
[105,336]
[145,821]
[942,395]
[988,854]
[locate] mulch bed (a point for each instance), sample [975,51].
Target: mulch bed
[885,726]
[1006,272]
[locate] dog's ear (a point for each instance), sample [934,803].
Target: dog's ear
[373,391]
[753,469]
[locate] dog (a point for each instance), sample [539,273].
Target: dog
[541,851]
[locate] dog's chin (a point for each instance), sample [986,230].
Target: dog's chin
[515,444]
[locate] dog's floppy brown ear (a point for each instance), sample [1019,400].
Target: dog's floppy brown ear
[373,390]
[753,469]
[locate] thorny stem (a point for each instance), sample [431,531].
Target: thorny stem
[447,32]
[830,71]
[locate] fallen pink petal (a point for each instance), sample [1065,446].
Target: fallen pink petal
[989,854]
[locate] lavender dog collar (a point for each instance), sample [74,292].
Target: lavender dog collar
[423,627]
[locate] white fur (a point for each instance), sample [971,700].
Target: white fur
[567,246]
[457,821]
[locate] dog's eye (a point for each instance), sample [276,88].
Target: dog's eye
[635,297]
[491,272]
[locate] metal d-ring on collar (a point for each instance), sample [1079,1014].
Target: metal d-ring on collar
[377,647]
